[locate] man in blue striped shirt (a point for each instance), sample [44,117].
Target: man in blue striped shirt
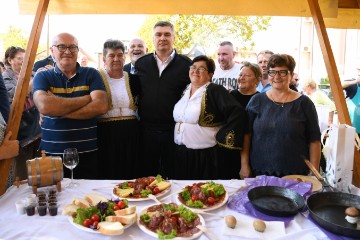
[70,97]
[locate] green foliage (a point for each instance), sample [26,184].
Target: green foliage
[207,30]
[14,37]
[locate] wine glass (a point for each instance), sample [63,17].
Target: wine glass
[71,160]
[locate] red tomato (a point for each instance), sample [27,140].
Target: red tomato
[95,218]
[148,188]
[87,222]
[156,190]
[194,198]
[95,224]
[211,200]
[116,207]
[121,204]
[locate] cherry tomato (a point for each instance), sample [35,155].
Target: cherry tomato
[95,224]
[95,218]
[87,222]
[148,188]
[211,200]
[194,198]
[116,207]
[156,190]
[121,205]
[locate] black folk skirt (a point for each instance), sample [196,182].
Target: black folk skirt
[119,144]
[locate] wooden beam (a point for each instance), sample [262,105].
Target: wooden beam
[22,86]
[205,7]
[346,19]
[334,78]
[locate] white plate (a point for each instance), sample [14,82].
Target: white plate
[91,230]
[153,234]
[141,199]
[206,208]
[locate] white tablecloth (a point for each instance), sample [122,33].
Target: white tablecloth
[15,226]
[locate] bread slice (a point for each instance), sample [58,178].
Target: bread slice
[125,219]
[110,228]
[81,202]
[126,211]
[70,210]
[94,198]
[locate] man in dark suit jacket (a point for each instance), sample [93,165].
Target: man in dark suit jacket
[46,62]
[137,49]
[163,75]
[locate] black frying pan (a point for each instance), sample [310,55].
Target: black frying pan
[276,201]
[328,210]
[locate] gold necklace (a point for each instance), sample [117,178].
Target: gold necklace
[279,103]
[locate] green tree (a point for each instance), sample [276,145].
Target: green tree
[14,37]
[207,30]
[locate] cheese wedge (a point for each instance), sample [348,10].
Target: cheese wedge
[124,192]
[163,185]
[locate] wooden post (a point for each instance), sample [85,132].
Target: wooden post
[334,78]
[22,86]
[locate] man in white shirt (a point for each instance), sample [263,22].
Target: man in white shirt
[137,49]
[263,59]
[228,71]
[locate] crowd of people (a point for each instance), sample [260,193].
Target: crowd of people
[164,113]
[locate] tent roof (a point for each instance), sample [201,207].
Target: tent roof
[336,13]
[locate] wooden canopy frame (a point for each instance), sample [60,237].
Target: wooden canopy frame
[330,13]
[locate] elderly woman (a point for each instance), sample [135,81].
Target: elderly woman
[29,130]
[207,118]
[249,78]
[118,129]
[283,125]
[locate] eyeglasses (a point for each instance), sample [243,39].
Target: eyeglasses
[200,69]
[282,73]
[62,48]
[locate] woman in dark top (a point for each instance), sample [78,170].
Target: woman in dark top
[283,125]
[249,78]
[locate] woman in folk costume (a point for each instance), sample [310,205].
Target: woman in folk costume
[118,129]
[207,119]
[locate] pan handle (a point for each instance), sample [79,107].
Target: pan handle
[313,170]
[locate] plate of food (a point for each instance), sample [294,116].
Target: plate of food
[316,185]
[140,188]
[203,196]
[98,215]
[169,220]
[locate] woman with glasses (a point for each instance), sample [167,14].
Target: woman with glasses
[29,130]
[249,78]
[283,125]
[207,118]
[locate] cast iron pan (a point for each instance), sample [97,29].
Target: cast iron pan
[276,201]
[328,210]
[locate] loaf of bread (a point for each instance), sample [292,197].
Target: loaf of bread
[70,210]
[110,228]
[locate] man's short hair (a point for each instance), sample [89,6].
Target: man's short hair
[264,52]
[224,43]
[164,24]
